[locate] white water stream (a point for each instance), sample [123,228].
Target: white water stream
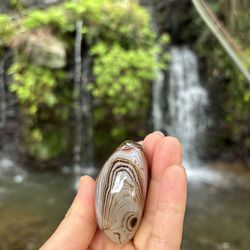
[179,109]
[83,148]
[2,96]
[186,100]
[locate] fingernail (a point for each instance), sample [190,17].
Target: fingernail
[159,132]
[82,181]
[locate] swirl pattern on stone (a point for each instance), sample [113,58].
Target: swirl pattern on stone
[120,192]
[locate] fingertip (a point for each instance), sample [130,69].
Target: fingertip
[85,194]
[85,182]
[149,144]
[154,136]
[174,142]
[159,132]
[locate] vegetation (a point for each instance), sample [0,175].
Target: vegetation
[122,44]
[123,47]
[233,91]
[37,89]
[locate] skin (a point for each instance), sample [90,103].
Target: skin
[162,222]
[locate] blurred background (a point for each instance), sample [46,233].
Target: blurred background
[77,78]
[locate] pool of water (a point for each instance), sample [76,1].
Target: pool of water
[217,215]
[216,219]
[32,204]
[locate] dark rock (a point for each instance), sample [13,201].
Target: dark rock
[171,17]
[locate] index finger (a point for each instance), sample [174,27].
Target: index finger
[79,225]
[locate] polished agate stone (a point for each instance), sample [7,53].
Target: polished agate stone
[120,192]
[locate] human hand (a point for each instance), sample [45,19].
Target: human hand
[162,221]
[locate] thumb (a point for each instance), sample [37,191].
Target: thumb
[79,225]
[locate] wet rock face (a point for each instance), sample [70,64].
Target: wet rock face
[171,16]
[4,4]
[34,2]
[6,7]
[31,3]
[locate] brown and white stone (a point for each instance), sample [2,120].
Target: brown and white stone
[120,193]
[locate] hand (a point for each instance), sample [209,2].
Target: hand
[162,221]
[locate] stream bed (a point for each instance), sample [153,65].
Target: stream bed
[217,215]
[32,204]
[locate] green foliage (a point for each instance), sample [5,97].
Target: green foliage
[36,89]
[7,31]
[231,92]
[46,142]
[116,33]
[34,85]
[102,19]
[123,47]
[53,17]
[237,95]
[17,4]
[122,76]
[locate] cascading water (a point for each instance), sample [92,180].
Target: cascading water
[2,96]
[187,100]
[179,110]
[83,148]
[158,100]
[77,89]
[179,106]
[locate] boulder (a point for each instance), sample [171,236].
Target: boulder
[43,48]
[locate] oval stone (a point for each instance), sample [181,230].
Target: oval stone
[120,193]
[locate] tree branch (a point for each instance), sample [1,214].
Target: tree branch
[222,35]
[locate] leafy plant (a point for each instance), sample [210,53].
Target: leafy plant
[122,76]
[7,31]
[123,46]
[36,89]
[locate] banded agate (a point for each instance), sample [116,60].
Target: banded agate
[121,190]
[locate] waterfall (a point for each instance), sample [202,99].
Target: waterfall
[179,106]
[9,170]
[158,86]
[2,96]
[83,147]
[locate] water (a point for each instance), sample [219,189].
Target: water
[2,96]
[187,98]
[83,148]
[158,100]
[31,205]
[217,216]
[218,203]
[179,107]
